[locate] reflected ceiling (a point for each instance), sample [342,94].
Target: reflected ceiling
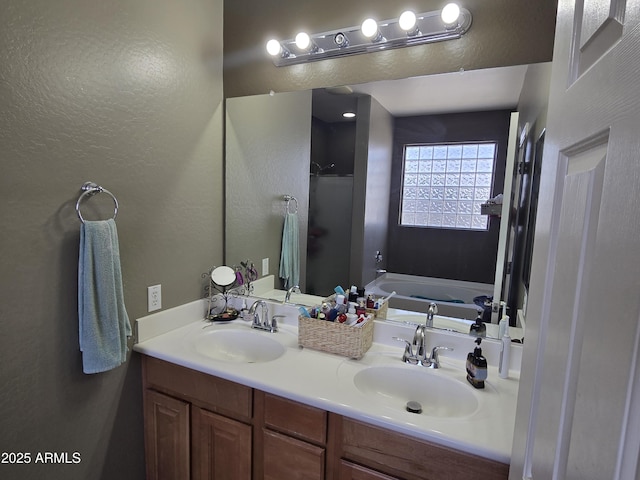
[467,91]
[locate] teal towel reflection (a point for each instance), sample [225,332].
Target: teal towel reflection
[290,253]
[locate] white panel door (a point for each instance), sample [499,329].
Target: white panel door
[579,403]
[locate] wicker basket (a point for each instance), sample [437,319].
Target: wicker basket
[334,337]
[379,312]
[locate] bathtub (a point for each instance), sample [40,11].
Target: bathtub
[453,297]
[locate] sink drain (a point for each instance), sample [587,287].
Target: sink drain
[413,407]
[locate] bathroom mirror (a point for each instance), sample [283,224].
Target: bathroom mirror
[268,160]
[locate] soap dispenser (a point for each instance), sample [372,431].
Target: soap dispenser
[476,366]
[478,328]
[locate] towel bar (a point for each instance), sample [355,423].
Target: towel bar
[90,189]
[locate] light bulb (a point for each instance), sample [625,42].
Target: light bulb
[303,41]
[450,14]
[407,21]
[348,114]
[369,28]
[273,47]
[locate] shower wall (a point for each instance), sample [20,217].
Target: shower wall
[329,234]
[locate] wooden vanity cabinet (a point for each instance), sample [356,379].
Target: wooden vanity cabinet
[199,426]
[400,456]
[352,471]
[196,426]
[166,432]
[221,447]
[293,439]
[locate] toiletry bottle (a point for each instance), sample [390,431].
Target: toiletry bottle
[476,366]
[370,301]
[505,349]
[478,329]
[353,294]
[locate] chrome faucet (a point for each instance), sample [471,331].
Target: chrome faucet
[419,338]
[420,355]
[433,310]
[265,323]
[287,295]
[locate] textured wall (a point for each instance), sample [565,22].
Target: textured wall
[268,141]
[504,32]
[129,95]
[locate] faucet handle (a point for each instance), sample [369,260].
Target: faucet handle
[274,323]
[435,358]
[407,356]
[256,320]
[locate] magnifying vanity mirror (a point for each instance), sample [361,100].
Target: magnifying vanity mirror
[223,276]
[221,282]
[299,144]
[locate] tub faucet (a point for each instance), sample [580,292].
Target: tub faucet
[433,310]
[287,296]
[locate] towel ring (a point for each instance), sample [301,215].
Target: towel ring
[90,189]
[288,199]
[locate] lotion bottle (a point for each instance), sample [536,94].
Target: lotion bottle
[505,348]
[476,366]
[478,329]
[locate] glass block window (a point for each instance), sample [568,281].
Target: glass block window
[444,185]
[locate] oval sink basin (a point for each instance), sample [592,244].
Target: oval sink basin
[244,346]
[439,396]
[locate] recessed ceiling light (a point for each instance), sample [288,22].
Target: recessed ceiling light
[348,114]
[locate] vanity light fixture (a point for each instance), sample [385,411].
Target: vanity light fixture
[305,44]
[275,48]
[450,14]
[409,29]
[341,40]
[369,29]
[409,23]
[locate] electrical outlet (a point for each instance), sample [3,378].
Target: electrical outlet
[154,298]
[265,267]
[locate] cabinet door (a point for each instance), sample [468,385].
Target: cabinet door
[287,458]
[166,436]
[351,471]
[221,447]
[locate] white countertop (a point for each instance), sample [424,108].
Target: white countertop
[326,381]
